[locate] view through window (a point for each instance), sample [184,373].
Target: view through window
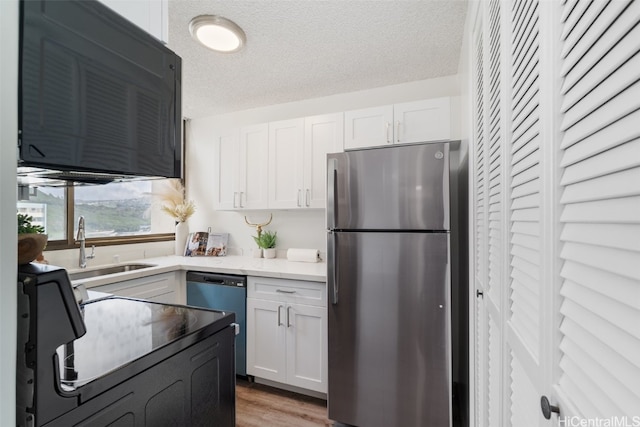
[115,210]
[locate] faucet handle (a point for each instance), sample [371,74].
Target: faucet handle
[93,252]
[80,235]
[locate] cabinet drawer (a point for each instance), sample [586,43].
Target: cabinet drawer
[284,290]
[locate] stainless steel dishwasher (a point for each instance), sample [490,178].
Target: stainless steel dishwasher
[226,292]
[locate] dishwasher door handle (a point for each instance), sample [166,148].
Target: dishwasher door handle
[213,281]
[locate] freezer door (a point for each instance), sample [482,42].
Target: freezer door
[389,329]
[391,188]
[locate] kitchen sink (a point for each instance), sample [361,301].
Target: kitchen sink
[87,274]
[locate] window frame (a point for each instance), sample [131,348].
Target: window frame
[70,241]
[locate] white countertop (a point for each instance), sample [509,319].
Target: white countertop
[231,264]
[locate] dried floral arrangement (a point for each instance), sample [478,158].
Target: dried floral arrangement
[173,202]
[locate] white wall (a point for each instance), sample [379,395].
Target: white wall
[9,17]
[295,228]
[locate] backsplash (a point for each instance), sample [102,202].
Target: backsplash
[68,258]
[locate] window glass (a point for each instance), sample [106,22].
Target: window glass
[120,209]
[47,206]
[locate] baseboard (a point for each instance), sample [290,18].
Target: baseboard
[294,389]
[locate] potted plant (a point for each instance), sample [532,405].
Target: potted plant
[268,240]
[31,240]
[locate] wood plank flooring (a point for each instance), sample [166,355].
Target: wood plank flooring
[258,405]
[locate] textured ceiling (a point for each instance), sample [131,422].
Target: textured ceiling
[307,49]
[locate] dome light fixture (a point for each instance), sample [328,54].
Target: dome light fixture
[217,33]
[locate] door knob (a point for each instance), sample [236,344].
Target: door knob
[548,408]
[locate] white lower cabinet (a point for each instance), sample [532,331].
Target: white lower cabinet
[287,332]
[164,288]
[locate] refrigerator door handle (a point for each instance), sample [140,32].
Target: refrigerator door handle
[332,192]
[332,268]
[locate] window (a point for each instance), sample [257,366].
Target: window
[123,212]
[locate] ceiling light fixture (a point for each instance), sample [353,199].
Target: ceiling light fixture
[217,33]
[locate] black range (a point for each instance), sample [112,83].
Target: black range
[121,360]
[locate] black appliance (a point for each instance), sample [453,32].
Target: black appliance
[226,292]
[119,361]
[99,98]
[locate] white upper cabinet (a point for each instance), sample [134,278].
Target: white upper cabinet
[285,163]
[253,168]
[228,172]
[411,122]
[322,135]
[297,160]
[370,127]
[241,176]
[150,15]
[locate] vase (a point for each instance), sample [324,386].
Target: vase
[269,253]
[30,247]
[182,232]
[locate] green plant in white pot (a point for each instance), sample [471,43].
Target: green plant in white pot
[268,240]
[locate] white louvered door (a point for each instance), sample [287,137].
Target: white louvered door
[480,219]
[526,221]
[598,373]
[496,219]
[556,211]
[511,226]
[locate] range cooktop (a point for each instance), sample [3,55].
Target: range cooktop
[121,330]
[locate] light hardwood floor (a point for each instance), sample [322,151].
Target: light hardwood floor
[259,405]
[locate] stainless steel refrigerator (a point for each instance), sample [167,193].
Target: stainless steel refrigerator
[389,312]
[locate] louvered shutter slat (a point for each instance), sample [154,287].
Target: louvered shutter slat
[624,156]
[605,187]
[584,98]
[617,236]
[616,133]
[583,24]
[620,262]
[621,211]
[623,370]
[598,43]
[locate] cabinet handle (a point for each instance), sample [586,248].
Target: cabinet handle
[279,321]
[388,125]
[288,317]
[282,291]
[299,204]
[307,198]
[241,193]
[398,131]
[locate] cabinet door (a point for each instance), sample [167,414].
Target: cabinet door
[322,134]
[254,157]
[266,336]
[307,347]
[371,127]
[422,121]
[285,164]
[226,185]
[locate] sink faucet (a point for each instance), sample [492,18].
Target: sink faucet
[81,239]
